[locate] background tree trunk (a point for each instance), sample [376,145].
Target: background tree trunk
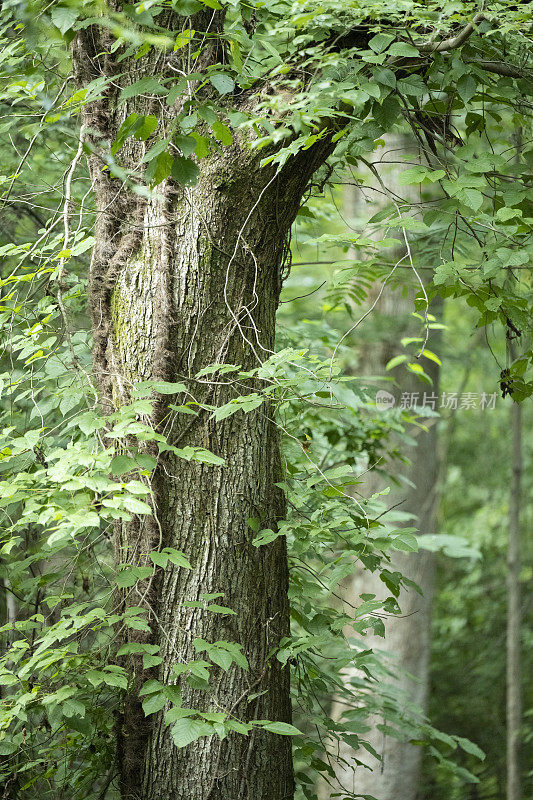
[407,638]
[406,644]
[514,699]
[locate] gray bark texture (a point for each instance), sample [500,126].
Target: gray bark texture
[186,280]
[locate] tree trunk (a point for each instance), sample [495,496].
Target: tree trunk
[514,700]
[185,280]
[406,645]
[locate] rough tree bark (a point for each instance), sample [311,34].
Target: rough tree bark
[188,279]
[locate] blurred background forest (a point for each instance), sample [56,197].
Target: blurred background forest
[471,455]
[335,301]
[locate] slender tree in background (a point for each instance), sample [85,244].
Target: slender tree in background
[514,677]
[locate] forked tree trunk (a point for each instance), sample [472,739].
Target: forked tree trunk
[178,283]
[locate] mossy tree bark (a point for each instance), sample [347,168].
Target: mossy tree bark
[184,280]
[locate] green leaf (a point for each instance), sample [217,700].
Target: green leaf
[153,704]
[155,150]
[145,128]
[143,86]
[406,542]
[419,174]
[129,576]
[380,42]
[151,661]
[470,747]
[169,554]
[158,169]
[64,18]
[202,148]
[394,362]
[504,214]
[145,388]
[215,609]
[466,87]
[471,198]
[282,728]
[222,132]
[222,653]
[186,144]
[89,422]
[265,536]
[387,113]
[135,506]
[403,49]
[412,85]
[184,170]
[206,457]
[121,464]
[432,357]
[187,730]
[222,83]
[177,712]
[151,686]
[184,38]
[385,76]
[117,679]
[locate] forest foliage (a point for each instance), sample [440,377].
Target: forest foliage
[287,75]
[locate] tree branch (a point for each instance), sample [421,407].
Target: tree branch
[501,68]
[454,41]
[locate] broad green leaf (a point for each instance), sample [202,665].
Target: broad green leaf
[222,83]
[471,198]
[146,127]
[145,86]
[121,464]
[282,728]
[222,133]
[135,505]
[380,42]
[64,17]
[184,38]
[153,703]
[184,170]
[169,554]
[403,49]
[187,730]
[265,537]
[412,85]
[129,576]
[470,747]
[158,169]
[145,388]
[187,144]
